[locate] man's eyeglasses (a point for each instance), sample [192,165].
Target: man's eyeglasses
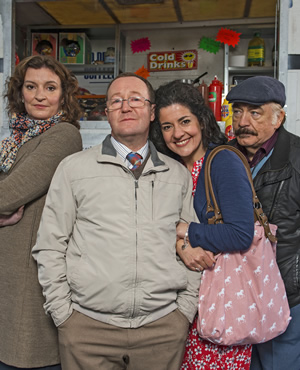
[133,102]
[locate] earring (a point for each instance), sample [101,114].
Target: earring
[22,100]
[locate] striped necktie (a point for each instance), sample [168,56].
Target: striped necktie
[135,159]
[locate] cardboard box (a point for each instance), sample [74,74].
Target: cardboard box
[74,48]
[44,44]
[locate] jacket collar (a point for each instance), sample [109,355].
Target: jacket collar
[281,152]
[108,149]
[154,156]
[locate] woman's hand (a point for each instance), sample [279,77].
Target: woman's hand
[181,230]
[196,259]
[13,218]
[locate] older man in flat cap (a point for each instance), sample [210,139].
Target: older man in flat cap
[274,157]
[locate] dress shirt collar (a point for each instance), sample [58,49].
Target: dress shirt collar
[263,151]
[122,151]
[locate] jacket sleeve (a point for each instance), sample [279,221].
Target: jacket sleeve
[30,179]
[187,299]
[234,196]
[50,251]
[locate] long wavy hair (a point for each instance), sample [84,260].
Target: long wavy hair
[69,84]
[177,92]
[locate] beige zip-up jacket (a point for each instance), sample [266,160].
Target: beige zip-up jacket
[106,244]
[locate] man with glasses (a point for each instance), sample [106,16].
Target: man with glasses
[106,248]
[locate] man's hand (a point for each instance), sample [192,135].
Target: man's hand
[13,218]
[196,259]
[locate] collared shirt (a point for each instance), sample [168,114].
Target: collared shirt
[197,166]
[122,150]
[262,152]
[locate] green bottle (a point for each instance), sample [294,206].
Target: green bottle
[256,51]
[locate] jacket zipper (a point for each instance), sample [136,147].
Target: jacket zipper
[275,200]
[152,199]
[297,271]
[136,185]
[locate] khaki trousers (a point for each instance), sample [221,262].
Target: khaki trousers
[88,344]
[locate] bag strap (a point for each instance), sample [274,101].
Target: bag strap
[259,215]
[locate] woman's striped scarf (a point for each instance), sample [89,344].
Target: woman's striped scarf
[23,129]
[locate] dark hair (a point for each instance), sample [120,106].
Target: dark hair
[69,84]
[131,74]
[177,92]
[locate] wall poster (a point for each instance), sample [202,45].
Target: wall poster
[163,61]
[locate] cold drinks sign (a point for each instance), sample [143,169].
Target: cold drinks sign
[172,60]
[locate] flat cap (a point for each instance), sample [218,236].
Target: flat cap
[258,90]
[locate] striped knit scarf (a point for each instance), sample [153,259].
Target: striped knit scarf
[23,129]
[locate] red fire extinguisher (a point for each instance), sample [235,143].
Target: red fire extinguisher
[215,97]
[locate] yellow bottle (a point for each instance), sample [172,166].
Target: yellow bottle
[226,113]
[256,51]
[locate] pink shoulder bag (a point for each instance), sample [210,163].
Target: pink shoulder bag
[242,299]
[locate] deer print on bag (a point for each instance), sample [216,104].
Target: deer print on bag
[252,307]
[238,269]
[273,327]
[218,270]
[257,271]
[227,280]
[266,280]
[228,305]
[263,319]
[241,319]
[229,331]
[212,308]
[240,294]
[270,304]
[221,292]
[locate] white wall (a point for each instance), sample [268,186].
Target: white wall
[294,28]
[175,39]
[293,83]
[1,74]
[6,11]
